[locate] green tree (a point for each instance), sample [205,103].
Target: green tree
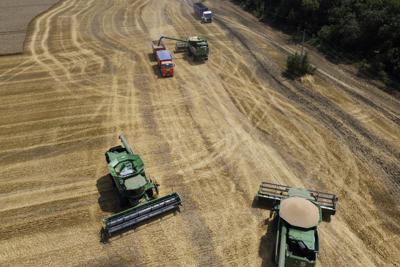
[367,30]
[298,65]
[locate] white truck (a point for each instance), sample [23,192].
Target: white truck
[203,12]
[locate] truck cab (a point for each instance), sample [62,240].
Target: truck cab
[203,12]
[167,69]
[207,16]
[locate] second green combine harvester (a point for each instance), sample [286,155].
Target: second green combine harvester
[135,189]
[297,212]
[195,46]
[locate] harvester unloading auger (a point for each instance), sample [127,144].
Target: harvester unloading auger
[134,189]
[298,212]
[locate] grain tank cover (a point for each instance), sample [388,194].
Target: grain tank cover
[299,212]
[135,182]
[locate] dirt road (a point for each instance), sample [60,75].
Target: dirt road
[211,133]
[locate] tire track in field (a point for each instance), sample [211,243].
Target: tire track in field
[307,103]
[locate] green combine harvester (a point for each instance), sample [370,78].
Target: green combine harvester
[297,213]
[135,190]
[195,46]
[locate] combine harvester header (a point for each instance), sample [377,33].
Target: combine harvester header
[138,214]
[273,193]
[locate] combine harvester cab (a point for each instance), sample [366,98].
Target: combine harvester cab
[203,12]
[198,48]
[297,212]
[134,189]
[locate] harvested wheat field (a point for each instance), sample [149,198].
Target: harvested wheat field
[212,133]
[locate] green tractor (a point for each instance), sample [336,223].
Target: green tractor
[195,46]
[297,213]
[135,190]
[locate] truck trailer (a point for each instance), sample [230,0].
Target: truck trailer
[203,12]
[157,46]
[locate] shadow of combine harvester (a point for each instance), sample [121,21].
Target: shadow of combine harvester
[109,199]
